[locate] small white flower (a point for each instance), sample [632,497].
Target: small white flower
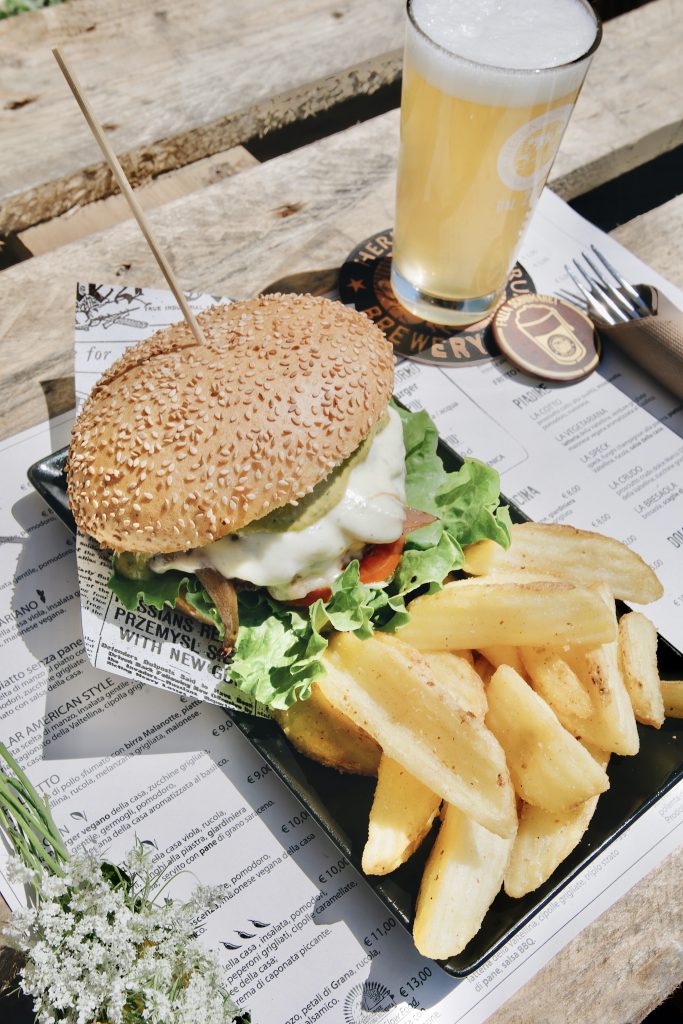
[20,874]
[94,947]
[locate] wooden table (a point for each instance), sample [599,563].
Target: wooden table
[182,99]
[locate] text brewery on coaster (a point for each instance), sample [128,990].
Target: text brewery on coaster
[364,282]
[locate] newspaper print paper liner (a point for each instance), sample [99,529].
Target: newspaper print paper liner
[162,648]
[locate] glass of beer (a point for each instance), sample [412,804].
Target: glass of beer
[488,88]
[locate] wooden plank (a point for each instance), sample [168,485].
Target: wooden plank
[234,238]
[656,237]
[631,107]
[288,223]
[172,84]
[619,968]
[104,213]
[175,89]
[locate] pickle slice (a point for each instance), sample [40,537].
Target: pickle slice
[132,565]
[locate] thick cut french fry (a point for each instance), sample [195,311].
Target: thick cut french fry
[672,695]
[545,838]
[388,689]
[504,654]
[549,767]
[484,612]
[461,879]
[558,685]
[638,663]
[611,724]
[321,732]
[577,555]
[459,674]
[401,816]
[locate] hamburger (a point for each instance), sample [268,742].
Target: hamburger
[265,483]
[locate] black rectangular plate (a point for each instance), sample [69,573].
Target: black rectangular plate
[341,803]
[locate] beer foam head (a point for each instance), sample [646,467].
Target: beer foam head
[506,52]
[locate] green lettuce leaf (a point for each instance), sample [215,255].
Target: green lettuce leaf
[466,503]
[278,653]
[163,589]
[198,598]
[421,566]
[279,648]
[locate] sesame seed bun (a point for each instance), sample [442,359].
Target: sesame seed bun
[180,444]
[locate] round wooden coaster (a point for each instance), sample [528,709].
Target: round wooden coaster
[365,282]
[547,337]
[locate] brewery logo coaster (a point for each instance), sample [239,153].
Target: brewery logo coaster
[547,337]
[364,282]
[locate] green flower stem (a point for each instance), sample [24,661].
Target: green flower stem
[27,819]
[31,794]
[21,847]
[31,828]
[41,804]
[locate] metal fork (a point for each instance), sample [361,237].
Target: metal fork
[609,302]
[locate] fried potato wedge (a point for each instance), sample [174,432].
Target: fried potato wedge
[580,556]
[612,725]
[560,675]
[479,613]
[559,686]
[545,838]
[456,672]
[317,729]
[549,767]
[389,690]
[638,663]
[672,695]
[462,877]
[504,654]
[401,816]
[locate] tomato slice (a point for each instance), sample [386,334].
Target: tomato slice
[379,561]
[303,602]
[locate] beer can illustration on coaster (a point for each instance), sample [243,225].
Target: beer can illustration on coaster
[547,337]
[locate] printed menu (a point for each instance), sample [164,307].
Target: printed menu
[301,936]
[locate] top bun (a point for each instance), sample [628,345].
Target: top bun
[180,444]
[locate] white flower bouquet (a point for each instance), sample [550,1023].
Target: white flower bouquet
[102,944]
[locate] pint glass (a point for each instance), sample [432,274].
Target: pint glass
[488,88]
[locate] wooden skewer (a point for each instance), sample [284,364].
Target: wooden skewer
[123,183]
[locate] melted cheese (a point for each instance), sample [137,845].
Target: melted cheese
[292,564]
